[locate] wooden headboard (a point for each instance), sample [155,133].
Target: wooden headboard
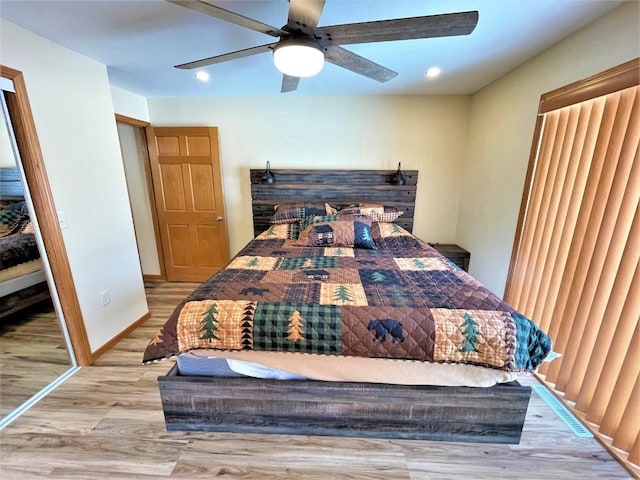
[340,188]
[11,184]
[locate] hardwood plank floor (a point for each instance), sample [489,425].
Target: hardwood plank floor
[106,422]
[32,354]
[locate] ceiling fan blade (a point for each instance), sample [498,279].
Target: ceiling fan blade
[431,26]
[227,56]
[304,15]
[228,16]
[344,58]
[289,83]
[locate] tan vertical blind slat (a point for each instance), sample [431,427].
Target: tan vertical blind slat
[596,110]
[589,218]
[563,222]
[553,123]
[533,209]
[620,206]
[634,453]
[572,381]
[570,242]
[627,381]
[616,354]
[630,422]
[618,309]
[549,207]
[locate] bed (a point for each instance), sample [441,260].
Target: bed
[22,278]
[336,320]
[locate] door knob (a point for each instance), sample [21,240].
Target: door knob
[219,218]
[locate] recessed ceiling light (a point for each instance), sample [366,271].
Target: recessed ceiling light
[433,72]
[202,76]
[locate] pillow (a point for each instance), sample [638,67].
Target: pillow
[10,220]
[294,212]
[345,231]
[284,231]
[382,230]
[314,219]
[377,212]
[20,207]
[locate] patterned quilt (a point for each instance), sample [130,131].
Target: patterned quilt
[17,240]
[402,300]
[17,248]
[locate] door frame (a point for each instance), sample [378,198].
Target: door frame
[43,204]
[140,126]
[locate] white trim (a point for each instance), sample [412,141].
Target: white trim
[36,398]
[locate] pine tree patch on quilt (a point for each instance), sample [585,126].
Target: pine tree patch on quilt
[473,336]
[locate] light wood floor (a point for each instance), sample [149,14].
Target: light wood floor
[32,354]
[106,422]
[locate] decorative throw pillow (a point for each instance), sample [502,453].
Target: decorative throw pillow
[20,207]
[345,231]
[294,212]
[376,211]
[285,231]
[382,230]
[314,219]
[10,220]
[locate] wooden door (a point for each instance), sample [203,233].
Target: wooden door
[187,184]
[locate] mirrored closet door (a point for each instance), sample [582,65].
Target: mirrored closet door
[35,352]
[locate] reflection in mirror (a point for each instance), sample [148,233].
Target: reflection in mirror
[35,353]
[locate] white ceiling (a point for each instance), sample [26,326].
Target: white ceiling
[141,40]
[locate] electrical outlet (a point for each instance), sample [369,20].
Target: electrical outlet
[105,297]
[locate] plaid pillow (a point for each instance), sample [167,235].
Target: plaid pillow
[314,219]
[10,220]
[342,231]
[20,207]
[377,212]
[294,212]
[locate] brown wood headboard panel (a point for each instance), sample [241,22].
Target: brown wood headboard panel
[340,188]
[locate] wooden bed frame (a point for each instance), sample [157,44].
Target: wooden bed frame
[248,405]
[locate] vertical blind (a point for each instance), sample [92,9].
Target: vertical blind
[575,266]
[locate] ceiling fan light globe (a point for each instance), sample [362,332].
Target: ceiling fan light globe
[298,58]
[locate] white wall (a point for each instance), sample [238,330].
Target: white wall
[72,108]
[367,132]
[501,126]
[129,104]
[134,159]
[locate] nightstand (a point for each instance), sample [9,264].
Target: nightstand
[454,253]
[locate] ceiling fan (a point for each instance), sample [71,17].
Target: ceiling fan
[303,47]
